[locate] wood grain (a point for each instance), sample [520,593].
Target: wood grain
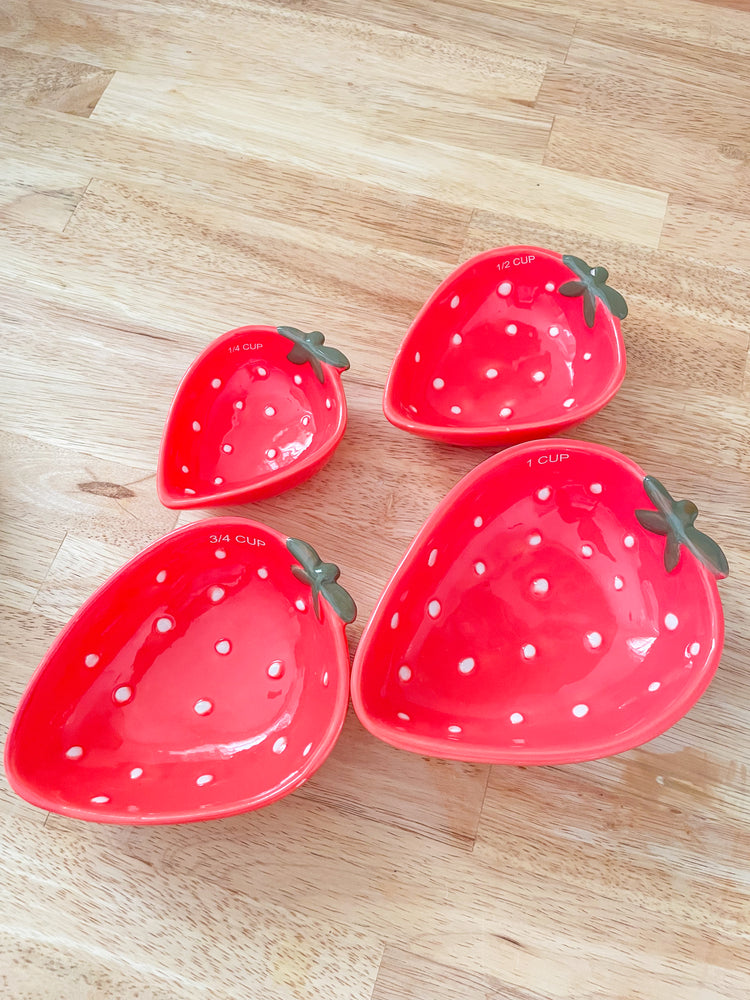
[170,171]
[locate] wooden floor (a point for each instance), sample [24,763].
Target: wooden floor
[169,170]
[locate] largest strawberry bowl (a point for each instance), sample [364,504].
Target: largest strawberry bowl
[559,605]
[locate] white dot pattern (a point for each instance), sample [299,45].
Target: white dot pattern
[223,646]
[580,710]
[164,624]
[528,651]
[506,412]
[594,639]
[479,568]
[671,621]
[91,660]
[491,373]
[433,609]
[123,694]
[516,717]
[404,673]
[74,753]
[275,669]
[466,665]
[202,707]
[432,559]
[504,288]
[394,620]
[438,383]
[279,745]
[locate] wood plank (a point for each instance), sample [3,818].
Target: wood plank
[48,82]
[26,556]
[707,234]
[39,194]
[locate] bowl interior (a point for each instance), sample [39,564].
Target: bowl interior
[197,682]
[534,619]
[499,345]
[245,414]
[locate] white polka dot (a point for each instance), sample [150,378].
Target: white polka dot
[457,339]
[596,487]
[554,331]
[594,639]
[454,301]
[438,383]
[325,679]
[528,651]
[185,468]
[271,453]
[586,551]
[216,382]
[455,409]
[227,449]
[619,583]
[218,480]
[491,373]
[261,371]
[403,716]
[164,624]
[404,673]
[479,568]
[540,585]
[544,493]
[220,553]
[307,750]
[239,405]
[216,593]
[161,576]
[100,799]
[506,412]
[654,685]
[478,522]
[466,665]
[202,707]
[123,694]
[511,329]
[535,539]
[587,356]
[580,710]
[91,660]
[432,559]
[671,621]
[433,609]
[549,287]
[454,729]
[695,648]
[280,745]
[196,425]
[300,604]
[417,357]
[263,573]
[305,421]
[628,541]
[269,411]
[189,491]
[567,403]
[136,772]
[275,669]
[204,779]
[329,404]
[394,620]
[73,753]
[223,646]
[298,380]
[504,288]
[516,717]
[537,377]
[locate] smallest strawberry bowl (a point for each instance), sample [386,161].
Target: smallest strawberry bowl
[559,605]
[209,676]
[517,343]
[259,411]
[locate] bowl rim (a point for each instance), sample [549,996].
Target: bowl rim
[497,431]
[317,757]
[481,753]
[272,483]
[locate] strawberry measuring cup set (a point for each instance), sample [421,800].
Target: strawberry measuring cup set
[559,605]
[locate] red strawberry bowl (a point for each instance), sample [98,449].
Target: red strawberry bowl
[517,343]
[259,411]
[557,606]
[207,677]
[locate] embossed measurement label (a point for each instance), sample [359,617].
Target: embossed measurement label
[515,261]
[236,348]
[558,456]
[242,539]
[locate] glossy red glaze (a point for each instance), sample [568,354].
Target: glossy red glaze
[247,423]
[496,356]
[532,620]
[190,686]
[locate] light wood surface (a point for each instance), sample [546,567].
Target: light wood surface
[171,170]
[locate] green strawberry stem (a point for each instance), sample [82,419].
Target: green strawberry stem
[592,285]
[308,349]
[676,520]
[321,577]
